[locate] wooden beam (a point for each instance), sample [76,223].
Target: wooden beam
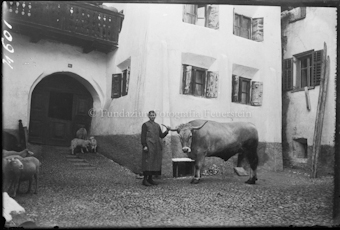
[307,98]
[320,112]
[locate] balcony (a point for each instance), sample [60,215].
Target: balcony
[77,23]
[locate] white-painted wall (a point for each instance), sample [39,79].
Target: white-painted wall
[318,27]
[34,61]
[155,38]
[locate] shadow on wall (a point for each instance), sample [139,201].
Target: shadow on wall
[125,150]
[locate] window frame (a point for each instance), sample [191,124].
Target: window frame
[194,15]
[193,82]
[298,70]
[254,30]
[240,80]
[240,27]
[247,91]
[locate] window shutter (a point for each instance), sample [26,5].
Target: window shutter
[235,88]
[189,13]
[257,29]
[256,93]
[212,17]
[212,85]
[116,85]
[187,72]
[287,74]
[317,66]
[125,83]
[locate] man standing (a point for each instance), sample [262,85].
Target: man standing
[152,149]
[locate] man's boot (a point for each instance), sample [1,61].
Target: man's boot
[145,181]
[151,181]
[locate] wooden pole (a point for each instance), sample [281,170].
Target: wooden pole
[320,111]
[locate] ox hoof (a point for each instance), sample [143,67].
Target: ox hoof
[195,181]
[251,180]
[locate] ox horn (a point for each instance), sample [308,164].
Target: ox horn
[170,128]
[196,128]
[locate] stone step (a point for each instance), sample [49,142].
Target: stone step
[76,159]
[81,163]
[86,168]
[71,156]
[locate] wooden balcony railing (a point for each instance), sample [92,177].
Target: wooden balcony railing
[76,23]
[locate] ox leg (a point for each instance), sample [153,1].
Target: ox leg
[29,185]
[198,166]
[240,158]
[253,162]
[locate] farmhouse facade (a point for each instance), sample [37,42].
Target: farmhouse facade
[186,62]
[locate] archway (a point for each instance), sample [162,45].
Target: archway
[59,107]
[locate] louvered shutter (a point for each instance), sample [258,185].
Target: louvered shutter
[116,85]
[257,29]
[256,93]
[317,66]
[187,73]
[125,83]
[235,89]
[287,74]
[212,85]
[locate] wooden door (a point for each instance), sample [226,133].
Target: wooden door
[59,118]
[82,106]
[37,125]
[59,107]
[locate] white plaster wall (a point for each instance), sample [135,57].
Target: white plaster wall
[123,114]
[318,27]
[167,28]
[154,37]
[33,61]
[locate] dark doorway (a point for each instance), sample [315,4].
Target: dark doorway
[59,107]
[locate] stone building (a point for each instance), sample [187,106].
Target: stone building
[304,32]
[215,62]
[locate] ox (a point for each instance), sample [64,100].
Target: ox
[201,138]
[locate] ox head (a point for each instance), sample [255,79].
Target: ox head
[185,134]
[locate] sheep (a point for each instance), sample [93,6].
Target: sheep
[23,153]
[93,144]
[29,172]
[11,171]
[10,205]
[79,143]
[81,133]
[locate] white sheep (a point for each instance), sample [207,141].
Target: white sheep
[30,171]
[81,133]
[11,171]
[23,153]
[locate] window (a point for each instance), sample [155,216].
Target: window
[241,90]
[199,82]
[120,83]
[245,91]
[250,28]
[308,67]
[202,15]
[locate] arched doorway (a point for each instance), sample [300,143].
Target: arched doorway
[59,107]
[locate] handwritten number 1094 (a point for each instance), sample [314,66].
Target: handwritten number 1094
[7,46]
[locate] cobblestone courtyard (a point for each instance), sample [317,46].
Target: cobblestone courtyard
[111,196]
